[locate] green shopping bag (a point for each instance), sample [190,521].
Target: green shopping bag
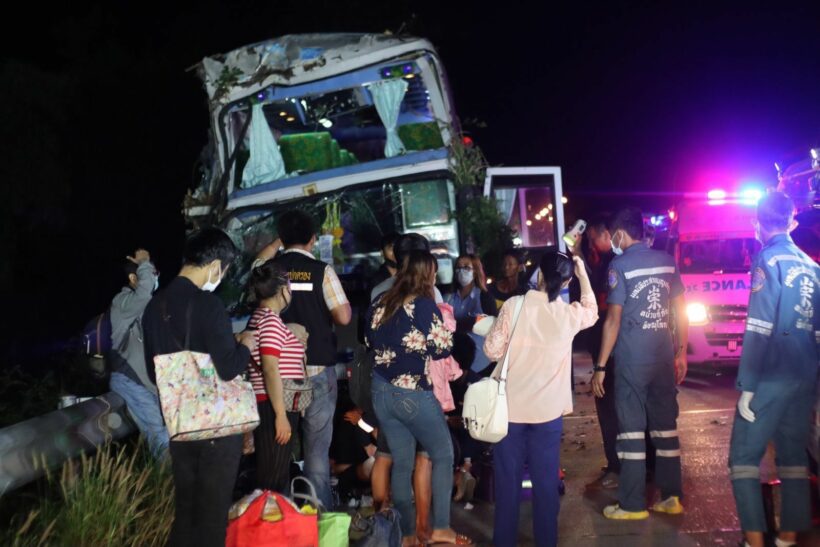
[334,529]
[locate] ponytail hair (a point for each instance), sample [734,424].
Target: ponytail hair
[266,280]
[556,269]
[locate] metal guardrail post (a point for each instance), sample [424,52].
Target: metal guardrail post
[28,448]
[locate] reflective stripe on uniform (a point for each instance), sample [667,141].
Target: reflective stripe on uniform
[788,258]
[737,472]
[668,453]
[301,287]
[632,455]
[759,330]
[793,472]
[663,434]
[630,435]
[650,271]
[760,323]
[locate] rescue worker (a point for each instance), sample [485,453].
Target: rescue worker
[644,288]
[777,375]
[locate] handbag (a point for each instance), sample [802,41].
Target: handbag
[485,410]
[269,519]
[298,394]
[196,403]
[382,529]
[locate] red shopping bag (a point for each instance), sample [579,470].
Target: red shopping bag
[293,529]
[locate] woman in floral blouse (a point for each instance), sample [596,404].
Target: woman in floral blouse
[405,331]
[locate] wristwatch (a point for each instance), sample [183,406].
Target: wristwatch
[599,368]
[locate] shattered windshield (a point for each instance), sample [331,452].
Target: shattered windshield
[350,225]
[727,255]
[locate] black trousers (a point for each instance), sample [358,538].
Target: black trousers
[272,458]
[608,418]
[204,476]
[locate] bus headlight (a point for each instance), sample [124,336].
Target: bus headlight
[697,314]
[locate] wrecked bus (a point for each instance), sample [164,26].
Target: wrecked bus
[352,128]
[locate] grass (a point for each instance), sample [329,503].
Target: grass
[118,496]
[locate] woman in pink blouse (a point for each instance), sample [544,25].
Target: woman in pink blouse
[538,394]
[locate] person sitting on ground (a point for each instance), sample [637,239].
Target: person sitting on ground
[279,356]
[129,376]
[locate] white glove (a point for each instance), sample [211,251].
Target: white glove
[743,406]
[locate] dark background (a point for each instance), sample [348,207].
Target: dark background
[101,124]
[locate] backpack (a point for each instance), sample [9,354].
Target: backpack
[97,345]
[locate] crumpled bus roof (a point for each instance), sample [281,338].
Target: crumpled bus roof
[296,58]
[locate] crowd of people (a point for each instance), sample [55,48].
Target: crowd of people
[402,438]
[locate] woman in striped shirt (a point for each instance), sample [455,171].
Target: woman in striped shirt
[279,356]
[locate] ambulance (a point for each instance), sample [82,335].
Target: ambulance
[714,245]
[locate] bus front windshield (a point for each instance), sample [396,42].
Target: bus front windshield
[718,255]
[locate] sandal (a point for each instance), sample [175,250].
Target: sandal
[461,539]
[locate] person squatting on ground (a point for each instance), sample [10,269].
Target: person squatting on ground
[129,376]
[777,376]
[319,302]
[644,286]
[279,356]
[538,394]
[405,330]
[204,471]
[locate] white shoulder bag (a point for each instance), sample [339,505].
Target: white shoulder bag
[485,412]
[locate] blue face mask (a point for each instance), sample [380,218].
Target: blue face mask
[617,250]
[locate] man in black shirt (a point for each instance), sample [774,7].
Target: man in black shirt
[319,303]
[204,471]
[600,255]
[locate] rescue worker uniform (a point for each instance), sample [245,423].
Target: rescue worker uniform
[644,282]
[779,365]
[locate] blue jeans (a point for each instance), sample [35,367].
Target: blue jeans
[407,417]
[537,446]
[317,432]
[143,405]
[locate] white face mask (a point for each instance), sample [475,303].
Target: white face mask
[211,286]
[465,277]
[617,250]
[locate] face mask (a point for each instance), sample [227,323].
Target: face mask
[156,283]
[211,286]
[465,277]
[617,250]
[391,264]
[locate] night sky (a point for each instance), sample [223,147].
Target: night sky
[102,125]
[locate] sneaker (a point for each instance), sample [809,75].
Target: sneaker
[670,505]
[615,512]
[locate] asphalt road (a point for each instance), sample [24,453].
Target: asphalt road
[707,398]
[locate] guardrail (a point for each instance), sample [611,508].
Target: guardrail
[29,448]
